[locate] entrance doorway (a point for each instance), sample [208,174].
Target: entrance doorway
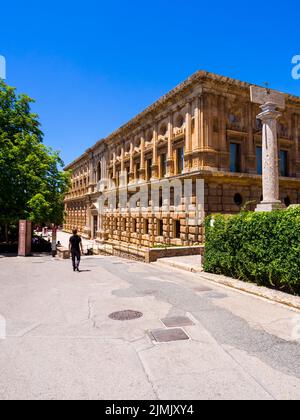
[95,227]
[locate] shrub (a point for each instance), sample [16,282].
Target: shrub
[257,247]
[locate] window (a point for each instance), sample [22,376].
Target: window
[233,118]
[163,165]
[259,160]
[128,175]
[146,227]
[238,199]
[180,160]
[287,201]
[284,163]
[137,170]
[258,124]
[149,169]
[235,157]
[172,196]
[98,172]
[134,224]
[160,227]
[161,198]
[177,230]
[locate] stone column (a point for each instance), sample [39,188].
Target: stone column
[114,166]
[122,166]
[197,143]
[251,161]
[88,224]
[155,154]
[296,133]
[170,161]
[142,167]
[223,162]
[91,174]
[269,117]
[131,167]
[188,138]
[210,137]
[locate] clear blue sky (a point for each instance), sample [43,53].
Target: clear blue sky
[93,65]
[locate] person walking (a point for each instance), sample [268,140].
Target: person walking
[76,249]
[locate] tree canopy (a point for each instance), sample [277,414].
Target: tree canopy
[32,182]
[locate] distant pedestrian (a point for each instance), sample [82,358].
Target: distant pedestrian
[75,247]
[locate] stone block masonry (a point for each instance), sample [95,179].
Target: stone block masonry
[206,128]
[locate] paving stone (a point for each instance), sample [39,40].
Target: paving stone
[166,336]
[178,321]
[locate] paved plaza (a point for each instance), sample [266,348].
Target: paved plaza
[61,343]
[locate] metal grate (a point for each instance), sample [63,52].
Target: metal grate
[167,336]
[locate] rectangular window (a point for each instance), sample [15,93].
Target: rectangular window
[134,226]
[235,157]
[284,171]
[137,170]
[128,175]
[163,165]
[149,169]
[180,160]
[146,227]
[177,230]
[160,227]
[259,160]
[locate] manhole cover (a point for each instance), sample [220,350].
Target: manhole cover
[178,321]
[125,315]
[166,336]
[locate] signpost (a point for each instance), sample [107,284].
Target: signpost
[269,101]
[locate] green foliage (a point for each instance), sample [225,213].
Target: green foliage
[257,247]
[32,183]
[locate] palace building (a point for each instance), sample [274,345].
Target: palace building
[206,128]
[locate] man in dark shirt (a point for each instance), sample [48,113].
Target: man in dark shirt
[75,246]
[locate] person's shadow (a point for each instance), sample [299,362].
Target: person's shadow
[85,271]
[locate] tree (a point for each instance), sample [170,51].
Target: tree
[32,182]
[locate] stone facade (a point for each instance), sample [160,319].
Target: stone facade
[206,128]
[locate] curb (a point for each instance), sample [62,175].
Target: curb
[179,266]
[274,296]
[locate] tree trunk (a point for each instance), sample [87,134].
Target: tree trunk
[6,233]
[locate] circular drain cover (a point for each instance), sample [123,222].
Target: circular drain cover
[125,315]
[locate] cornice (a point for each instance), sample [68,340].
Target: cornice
[184,91]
